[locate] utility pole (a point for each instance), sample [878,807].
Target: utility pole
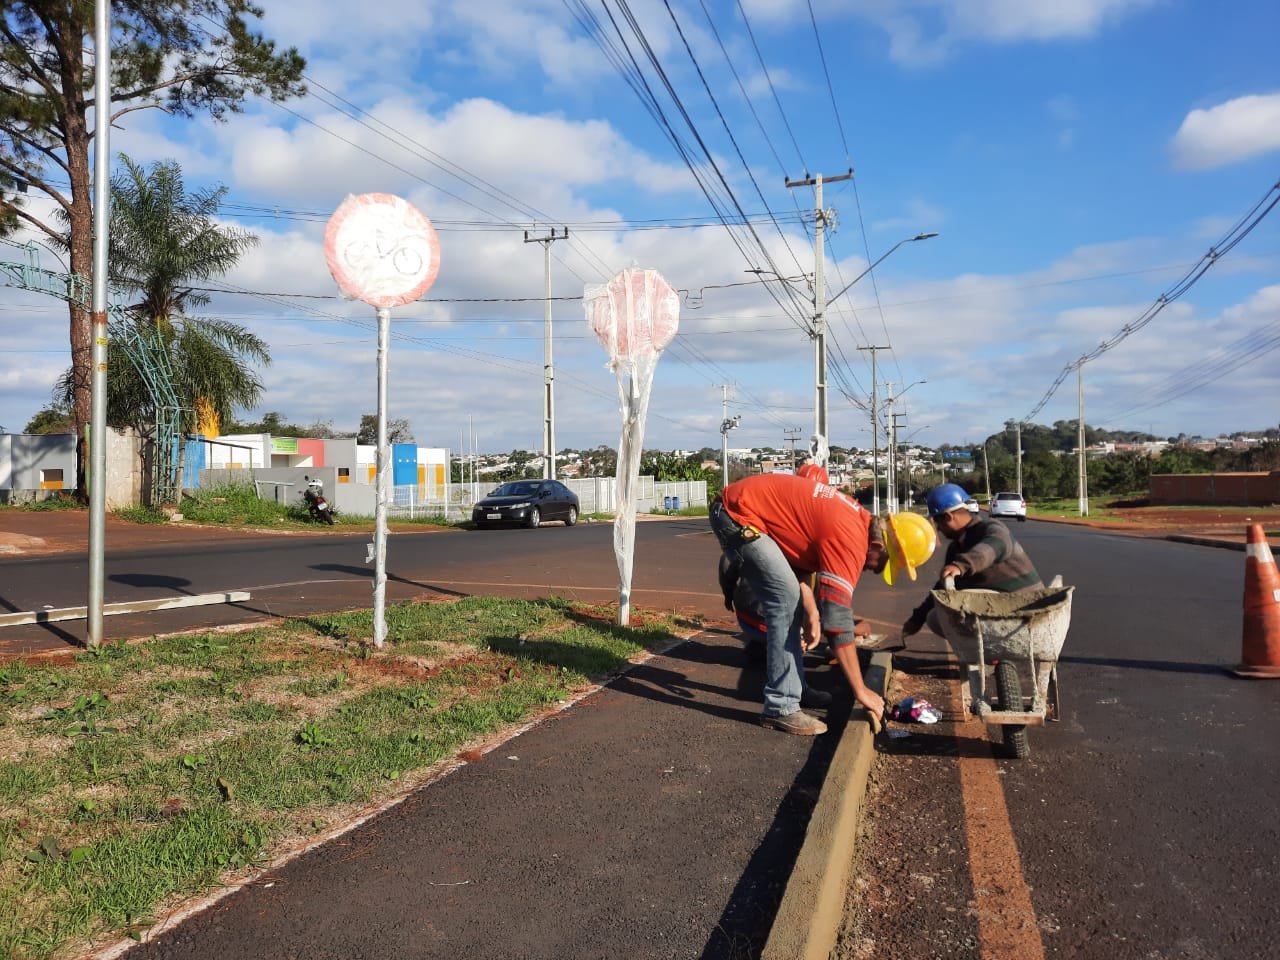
[986,471]
[1082,479]
[875,436]
[889,479]
[820,442]
[548,370]
[897,503]
[726,424]
[1018,435]
[791,433]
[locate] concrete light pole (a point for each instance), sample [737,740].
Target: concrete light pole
[727,423]
[548,369]
[1082,478]
[820,444]
[1018,437]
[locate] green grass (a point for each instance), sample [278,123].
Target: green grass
[144,773]
[141,514]
[698,511]
[65,500]
[237,504]
[1069,508]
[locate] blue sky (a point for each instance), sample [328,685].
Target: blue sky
[1076,157]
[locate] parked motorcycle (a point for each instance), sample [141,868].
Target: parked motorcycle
[318,508]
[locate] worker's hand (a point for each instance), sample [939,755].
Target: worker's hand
[810,635]
[911,626]
[951,570]
[811,629]
[872,701]
[862,629]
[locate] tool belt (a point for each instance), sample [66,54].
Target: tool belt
[743,533]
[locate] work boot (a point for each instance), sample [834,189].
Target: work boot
[815,699]
[799,723]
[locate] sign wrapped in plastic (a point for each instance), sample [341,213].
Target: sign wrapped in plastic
[635,315]
[383,251]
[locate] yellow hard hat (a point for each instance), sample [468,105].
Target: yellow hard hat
[911,541]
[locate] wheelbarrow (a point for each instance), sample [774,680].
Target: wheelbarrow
[1020,635]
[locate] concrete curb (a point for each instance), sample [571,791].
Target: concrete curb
[812,908]
[1205,542]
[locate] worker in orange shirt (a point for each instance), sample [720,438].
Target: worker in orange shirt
[773,527]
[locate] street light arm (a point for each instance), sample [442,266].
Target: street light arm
[881,259]
[900,393]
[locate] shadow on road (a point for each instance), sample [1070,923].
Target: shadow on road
[144,580]
[1169,666]
[748,917]
[367,573]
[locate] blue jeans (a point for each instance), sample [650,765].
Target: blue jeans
[778,593]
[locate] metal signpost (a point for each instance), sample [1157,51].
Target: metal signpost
[382,251]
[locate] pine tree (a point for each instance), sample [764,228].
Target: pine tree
[183,56]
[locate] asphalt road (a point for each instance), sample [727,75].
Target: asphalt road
[655,819]
[1143,825]
[289,575]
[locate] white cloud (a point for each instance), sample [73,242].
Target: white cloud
[540,159]
[926,32]
[921,217]
[1012,20]
[1237,130]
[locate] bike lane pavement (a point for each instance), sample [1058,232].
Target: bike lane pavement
[654,818]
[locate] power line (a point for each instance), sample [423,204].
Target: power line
[772,89]
[725,123]
[714,187]
[1198,375]
[817,38]
[1242,228]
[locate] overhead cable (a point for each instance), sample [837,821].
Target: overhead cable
[1242,228]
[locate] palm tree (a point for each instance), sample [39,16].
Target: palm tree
[165,241]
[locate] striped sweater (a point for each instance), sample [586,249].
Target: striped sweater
[991,560]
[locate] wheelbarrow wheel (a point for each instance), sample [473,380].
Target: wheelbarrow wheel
[1009,692]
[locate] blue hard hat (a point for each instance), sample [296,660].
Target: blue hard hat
[944,498]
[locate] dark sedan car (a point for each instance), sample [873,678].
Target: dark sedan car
[529,502]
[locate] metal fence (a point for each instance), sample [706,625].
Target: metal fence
[595,495]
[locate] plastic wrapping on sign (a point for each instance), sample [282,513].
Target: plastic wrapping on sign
[381,250]
[915,710]
[635,316]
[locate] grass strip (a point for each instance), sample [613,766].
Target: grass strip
[144,773]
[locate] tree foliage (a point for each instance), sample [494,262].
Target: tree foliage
[183,56]
[398,430]
[162,239]
[274,422]
[55,418]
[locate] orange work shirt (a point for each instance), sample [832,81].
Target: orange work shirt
[818,528]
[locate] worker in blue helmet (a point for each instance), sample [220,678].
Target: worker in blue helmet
[981,555]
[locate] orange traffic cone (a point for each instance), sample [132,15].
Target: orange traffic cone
[1260,656]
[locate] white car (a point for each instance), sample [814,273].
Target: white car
[971,505]
[1009,505]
